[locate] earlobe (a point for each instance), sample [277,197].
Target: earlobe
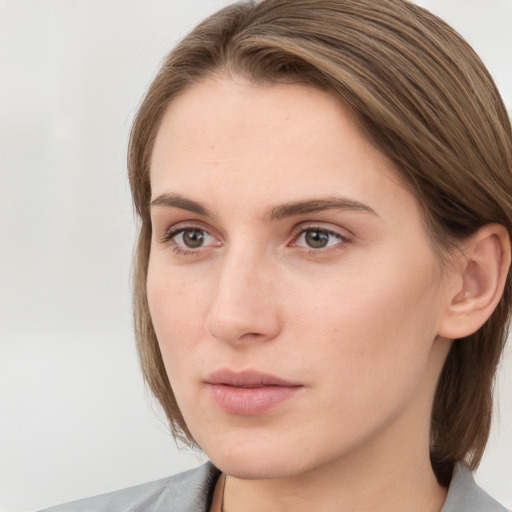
[481,278]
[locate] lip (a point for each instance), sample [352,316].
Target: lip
[249,393]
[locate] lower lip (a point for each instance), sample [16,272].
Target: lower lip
[250,401]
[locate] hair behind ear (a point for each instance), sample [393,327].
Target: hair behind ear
[478,313]
[462,411]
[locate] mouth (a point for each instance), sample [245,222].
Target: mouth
[249,393]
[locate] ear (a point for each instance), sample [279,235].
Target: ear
[479,279]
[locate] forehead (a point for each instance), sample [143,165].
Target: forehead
[223,138]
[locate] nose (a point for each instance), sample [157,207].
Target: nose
[244,307]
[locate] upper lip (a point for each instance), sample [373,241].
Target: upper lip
[247,379]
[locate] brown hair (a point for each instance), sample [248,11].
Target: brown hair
[422,96]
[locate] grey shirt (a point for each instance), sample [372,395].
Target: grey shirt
[192,492]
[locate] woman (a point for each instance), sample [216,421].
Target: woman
[322,282]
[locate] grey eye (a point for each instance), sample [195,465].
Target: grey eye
[316,239]
[191,238]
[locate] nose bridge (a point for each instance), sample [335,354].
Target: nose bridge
[243,306]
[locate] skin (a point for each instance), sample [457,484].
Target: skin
[356,323]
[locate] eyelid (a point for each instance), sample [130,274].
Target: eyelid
[179,227]
[343,236]
[343,233]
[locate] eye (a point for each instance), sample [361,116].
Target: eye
[316,238]
[189,239]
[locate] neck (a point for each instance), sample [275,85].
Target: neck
[362,486]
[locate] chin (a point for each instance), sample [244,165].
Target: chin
[258,467]
[257,459]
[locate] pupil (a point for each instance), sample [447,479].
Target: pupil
[316,239]
[193,238]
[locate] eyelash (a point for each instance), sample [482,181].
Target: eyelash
[303,229]
[173,232]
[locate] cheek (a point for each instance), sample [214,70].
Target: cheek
[373,327]
[177,307]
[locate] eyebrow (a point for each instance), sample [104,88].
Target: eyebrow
[277,213]
[178,201]
[318,205]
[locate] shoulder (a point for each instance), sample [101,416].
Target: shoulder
[464,495]
[188,491]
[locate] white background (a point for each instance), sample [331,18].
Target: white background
[74,418]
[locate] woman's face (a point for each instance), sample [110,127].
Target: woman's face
[292,285]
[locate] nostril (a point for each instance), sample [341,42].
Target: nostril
[240,311]
[242,329]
